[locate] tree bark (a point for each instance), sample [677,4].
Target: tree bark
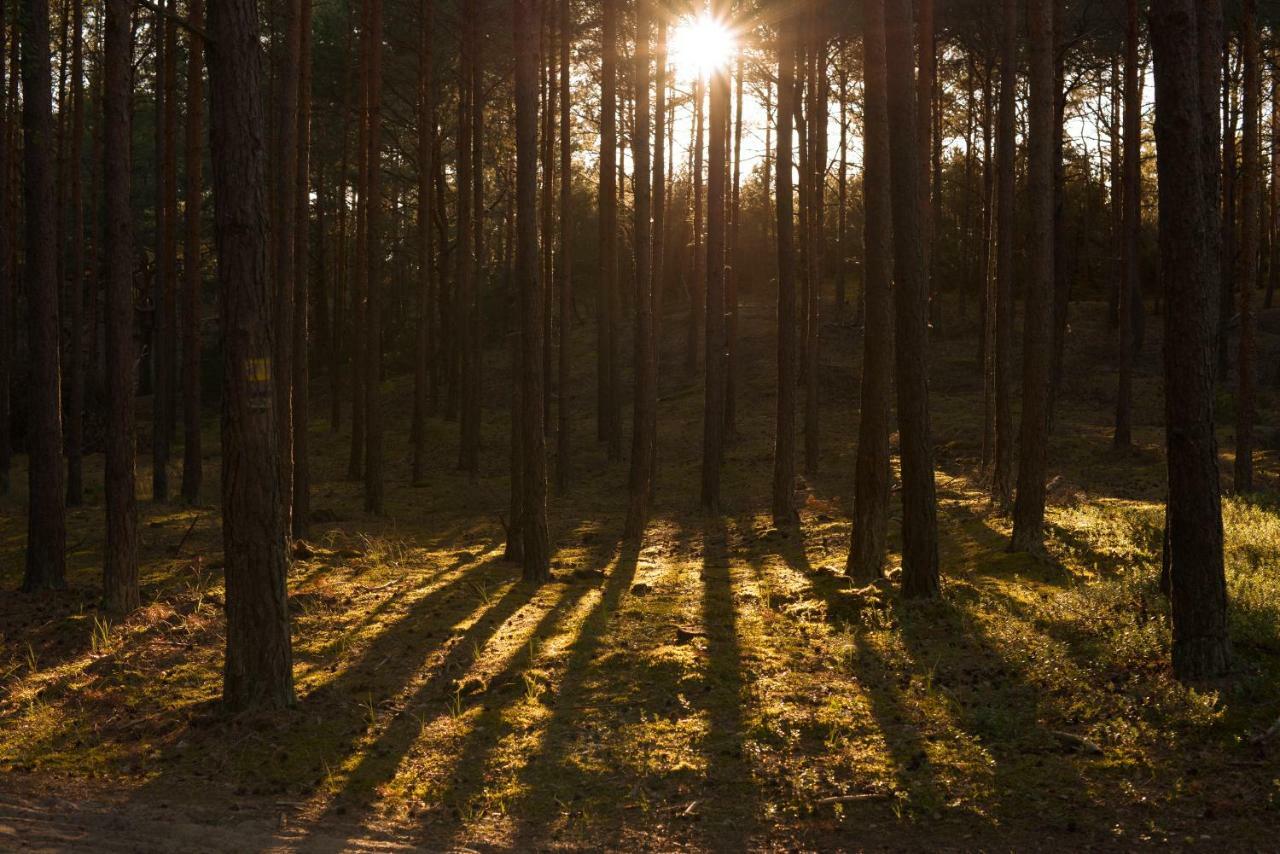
[919,503]
[120,556]
[714,375]
[259,660]
[925,82]
[1201,644]
[536,547]
[8,302]
[1028,508]
[1130,220]
[1250,189]
[564,277]
[301,356]
[1006,215]
[46,525]
[733,367]
[373,502]
[192,452]
[872,473]
[285,228]
[78,278]
[696,304]
[426,170]
[784,447]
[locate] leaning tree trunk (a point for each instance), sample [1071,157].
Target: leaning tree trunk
[46,521]
[911,312]
[192,454]
[1250,188]
[1201,643]
[120,556]
[259,660]
[872,474]
[1006,179]
[1033,438]
[784,446]
[536,547]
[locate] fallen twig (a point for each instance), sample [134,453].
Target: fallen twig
[182,542]
[859,796]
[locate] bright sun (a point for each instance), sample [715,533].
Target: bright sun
[699,46]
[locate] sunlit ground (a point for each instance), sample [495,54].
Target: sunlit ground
[720,687]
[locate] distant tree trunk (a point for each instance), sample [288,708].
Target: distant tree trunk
[564,277]
[644,421]
[426,170]
[872,478]
[120,556]
[46,526]
[164,304]
[659,185]
[1060,306]
[714,383]
[259,660]
[548,154]
[285,162]
[514,551]
[925,82]
[733,367]
[373,299]
[1273,200]
[1028,508]
[8,303]
[1115,294]
[1130,218]
[987,344]
[699,259]
[1250,211]
[536,565]
[1201,643]
[340,328]
[784,447]
[78,278]
[192,453]
[1006,217]
[842,209]
[817,126]
[609,300]
[302,286]
[1228,213]
[919,502]
[355,463]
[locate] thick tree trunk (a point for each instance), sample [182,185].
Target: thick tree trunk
[1250,189]
[192,453]
[301,198]
[644,420]
[1028,508]
[536,547]
[911,311]
[1201,644]
[78,279]
[8,302]
[1006,216]
[564,277]
[46,521]
[1130,224]
[872,474]
[259,661]
[1226,292]
[784,447]
[120,556]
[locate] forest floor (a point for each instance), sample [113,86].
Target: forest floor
[720,687]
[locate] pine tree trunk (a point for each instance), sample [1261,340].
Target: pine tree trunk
[644,420]
[714,382]
[925,82]
[733,367]
[424,341]
[302,285]
[842,208]
[46,527]
[1006,217]
[120,556]
[78,280]
[872,473]
[1201,644]
[1130,218]
[551,64]
[1028,508]
[606,309]
[373,299]
[536,547]
[564,278]
[360,284]
[259,661]
[784,447]
[192,457]
[1250,188]
[8,302]
[817,243]
[697,283]
[911,313]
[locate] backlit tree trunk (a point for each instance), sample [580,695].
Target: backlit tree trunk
[1006,215]
[8,303]
[373,299]
[714,376]
[285,162]
[192,456]
[564,277]
[784,446]
[1250,211]
[424,343]
[301,198]
[78,278]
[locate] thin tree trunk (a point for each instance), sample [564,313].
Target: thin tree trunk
[1250,189]
[784,447]
[714,382]
[548,212]
[192,457]
[162,294]
[259,660]
[357,337]
[373,298]
[911,312]
[1130,224]
[644,420]
[564,277]
[698,281]
[987,348]
[842,210]
[607,302]
[301,355]
[8,302]
[733,369]
[46,526]
[120,556]
[426,171]
[872,473]
[1201,643]
[536,546]
[927,48]
[1006,215]
[78,280]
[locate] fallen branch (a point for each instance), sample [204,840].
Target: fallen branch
[854,798]
[177,550]
[1263,737]
[1077,742]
